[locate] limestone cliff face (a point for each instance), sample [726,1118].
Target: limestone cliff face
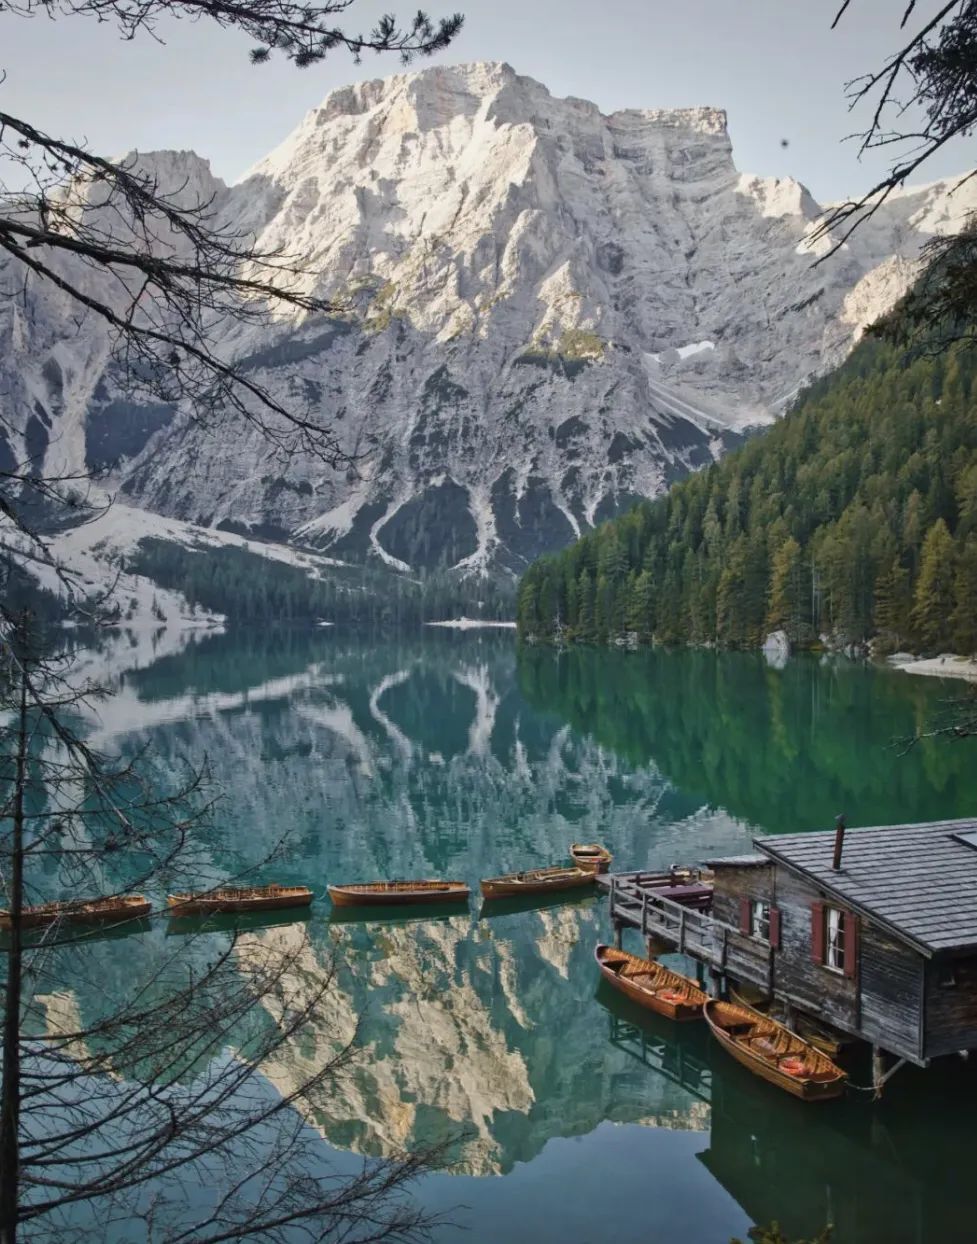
[542,312]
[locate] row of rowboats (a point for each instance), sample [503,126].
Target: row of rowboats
[768,1049]
[588,860]
[135,906]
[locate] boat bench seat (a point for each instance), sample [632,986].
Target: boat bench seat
[737,1030]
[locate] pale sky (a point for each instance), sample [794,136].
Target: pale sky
[774,65]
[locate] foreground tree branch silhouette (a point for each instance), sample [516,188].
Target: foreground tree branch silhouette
[921,98]
[118,1103]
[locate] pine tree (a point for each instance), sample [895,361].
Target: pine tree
[640,605]
[966,492]
[963,620]
[789,608]
[892,605]
[933,600]
[586,626]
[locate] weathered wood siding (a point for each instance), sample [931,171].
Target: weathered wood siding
[890,980]
[732,885]
[810,985]
[881,1003]
[894,999]
[950,1010]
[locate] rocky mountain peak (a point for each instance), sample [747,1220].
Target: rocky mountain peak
[541,313]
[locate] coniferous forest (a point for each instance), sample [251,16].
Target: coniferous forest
[852,520]
[253,590]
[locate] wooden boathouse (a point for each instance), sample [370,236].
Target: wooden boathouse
[872,931]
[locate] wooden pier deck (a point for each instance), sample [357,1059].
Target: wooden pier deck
[634,903]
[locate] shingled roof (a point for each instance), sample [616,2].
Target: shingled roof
[919,880]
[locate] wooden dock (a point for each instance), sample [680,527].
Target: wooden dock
[635,901]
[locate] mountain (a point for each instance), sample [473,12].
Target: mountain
[542,313]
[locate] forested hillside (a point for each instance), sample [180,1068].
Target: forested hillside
[854,518]
[250,589]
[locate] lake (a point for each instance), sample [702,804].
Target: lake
[574,1118]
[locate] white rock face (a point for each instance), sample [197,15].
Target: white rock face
[544,312]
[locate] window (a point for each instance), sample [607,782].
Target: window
[760,919]
[834,939]
[947,977]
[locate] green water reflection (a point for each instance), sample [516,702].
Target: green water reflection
[457,755]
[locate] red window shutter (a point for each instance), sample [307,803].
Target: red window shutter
[851,944]
[775,928]
[744,915]
[817,932]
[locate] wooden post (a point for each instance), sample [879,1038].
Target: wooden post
[617,933]
[611,896]
[879,1073]
[644,913]
[657,946]
[878,1070]
[681,932]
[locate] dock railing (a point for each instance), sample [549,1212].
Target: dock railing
[691,932]
[665,1055]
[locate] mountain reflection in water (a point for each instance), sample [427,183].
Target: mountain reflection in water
[458,755]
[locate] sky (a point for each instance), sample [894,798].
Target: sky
[774,65]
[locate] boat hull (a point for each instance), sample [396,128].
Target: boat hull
[514,885]
[92,912]
[405,896]
[591,855]
[670,983]
[219,904]
[805,1089]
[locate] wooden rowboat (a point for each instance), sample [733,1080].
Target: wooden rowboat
[81,911]
[398,893]
[538,881]
[591,855]
[650,984]
[239,898]
[773,1052]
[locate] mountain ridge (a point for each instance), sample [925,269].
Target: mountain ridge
[542,314]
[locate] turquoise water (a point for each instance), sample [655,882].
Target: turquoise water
[572,1117]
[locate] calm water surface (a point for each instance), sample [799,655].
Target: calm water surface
[577,1118]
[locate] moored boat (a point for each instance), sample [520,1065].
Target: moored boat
[591,855]
[81,911]
[239,898]
[773,1052]
[398,893]
[538,881]
[650,984]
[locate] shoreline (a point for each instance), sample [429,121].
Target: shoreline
[948,666]
[469,624]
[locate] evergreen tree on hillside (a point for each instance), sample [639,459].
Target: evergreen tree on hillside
[934,599]
[789,608]
[893,601]
[963,621]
